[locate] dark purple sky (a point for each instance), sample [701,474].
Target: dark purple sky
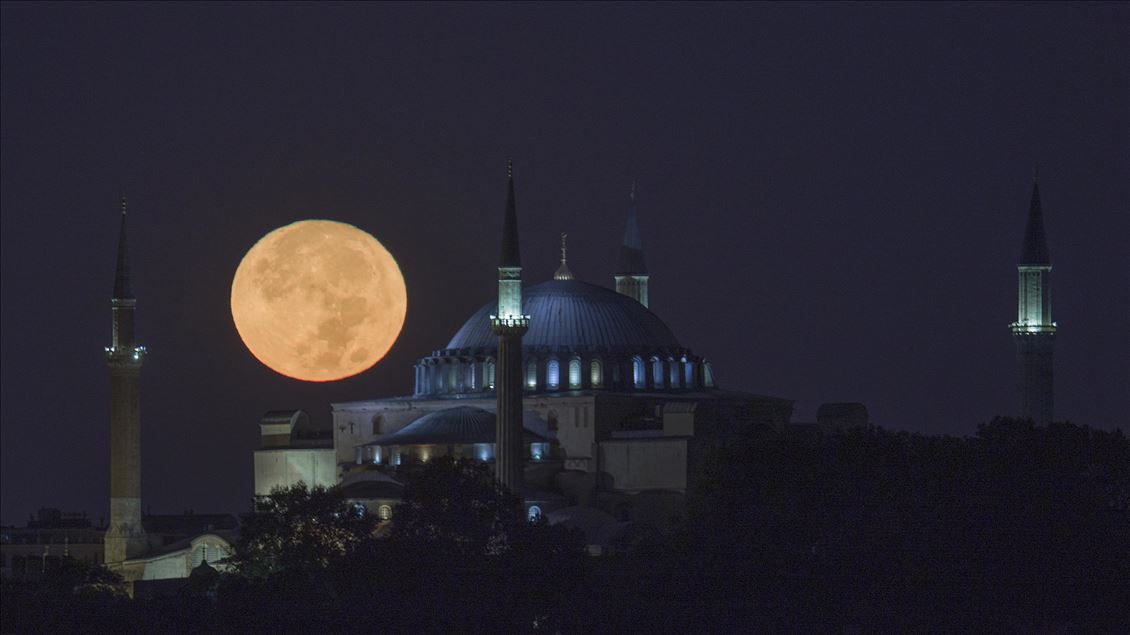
[832,200]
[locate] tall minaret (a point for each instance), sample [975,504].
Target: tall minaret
[510,325]
[631,270]
[125,537]
[1034,331]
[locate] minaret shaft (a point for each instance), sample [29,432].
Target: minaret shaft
[125,537]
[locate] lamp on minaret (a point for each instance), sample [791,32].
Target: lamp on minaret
[125,537]
[631,269]
[510,324]
[563,272]
[1034,331]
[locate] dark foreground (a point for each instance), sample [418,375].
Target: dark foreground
[1018,529]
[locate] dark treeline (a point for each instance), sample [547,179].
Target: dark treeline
[1020,528]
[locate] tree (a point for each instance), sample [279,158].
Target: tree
[298,530]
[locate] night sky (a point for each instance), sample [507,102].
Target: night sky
[832,200]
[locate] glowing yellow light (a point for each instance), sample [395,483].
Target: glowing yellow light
[318,300]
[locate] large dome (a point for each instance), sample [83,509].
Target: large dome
[573,315]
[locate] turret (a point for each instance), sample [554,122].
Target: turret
[1034,331]
[631,268]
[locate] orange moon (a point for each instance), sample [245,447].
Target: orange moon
[318,300]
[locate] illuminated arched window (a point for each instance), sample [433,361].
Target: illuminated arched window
[471,383]
[688,373]
[707,375]
[596,373]
[639,377]
[532,375]
[534,513]
[574,373]
[673,371]
[384,512]
[552,374]
[657,371]
[490,375]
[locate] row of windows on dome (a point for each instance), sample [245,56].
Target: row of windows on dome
[460,376]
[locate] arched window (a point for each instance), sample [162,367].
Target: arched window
[673,371]
[574,373]
[596,373]
[707,375]
[688,373]
[532,375]
[359,510]
[384,512]
[490,374]
[552,374]
[471,383]
[639,377]
[657,371]
[376,424]
[534,513]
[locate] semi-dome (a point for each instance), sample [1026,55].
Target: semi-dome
[573,315]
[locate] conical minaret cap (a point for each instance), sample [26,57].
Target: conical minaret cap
[1035,249]
[122,287]
[510,255]
[631,260]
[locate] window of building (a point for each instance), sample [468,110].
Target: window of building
[490,374]
[359,510]
[553,374]
[657,371]
[471,383]
[377,424]
[534,513]
[688,373]
[639,377]
[532,375]
[596,373]
[384,512]
[673,371]
[707,375]
[574,373]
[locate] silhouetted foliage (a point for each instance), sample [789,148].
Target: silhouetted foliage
[1019,528]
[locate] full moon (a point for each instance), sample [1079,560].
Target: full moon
[318,300]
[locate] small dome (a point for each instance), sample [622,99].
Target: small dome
[573,315]
[462,425]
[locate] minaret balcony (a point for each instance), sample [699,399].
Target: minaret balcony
[510,321]
[1022,329]
[125,353]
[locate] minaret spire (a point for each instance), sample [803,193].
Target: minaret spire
[122,287]
[563,272]
[510,324]
[1034,331]
[631,270]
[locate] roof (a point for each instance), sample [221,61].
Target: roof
[1035,249]
[510,255]
[462,425]
[122,287]
[573,315]
[631,259]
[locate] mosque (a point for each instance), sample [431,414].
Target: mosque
[585,401]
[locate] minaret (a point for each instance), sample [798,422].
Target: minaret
[125,537]
[510,325]
[631,270]
[1034,331]
[563,272]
